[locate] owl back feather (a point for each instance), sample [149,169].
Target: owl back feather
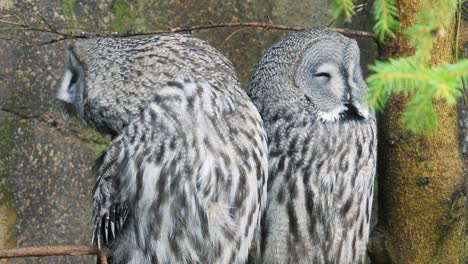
[184,178]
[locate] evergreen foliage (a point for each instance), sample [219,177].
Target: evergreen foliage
[343,9]
[385,13]
[414,76]
[422,84]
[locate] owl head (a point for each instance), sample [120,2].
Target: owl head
[316,69]
[87,88]
[71,87]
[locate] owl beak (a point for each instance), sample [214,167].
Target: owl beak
[352,112]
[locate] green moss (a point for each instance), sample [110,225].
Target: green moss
[450,220]
[126,15]
[6,196]
[7,228]
[69,11]
[95,141]
[7,126]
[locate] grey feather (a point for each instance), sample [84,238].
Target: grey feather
[184,178]
[310,93]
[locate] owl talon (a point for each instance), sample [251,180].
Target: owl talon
[99,235]
[106,230]
[99,241]
[112,222]
[97,232]
[93,240]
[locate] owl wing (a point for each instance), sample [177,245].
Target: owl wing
[167,167]
[109,209]
[135,171]
[144,151]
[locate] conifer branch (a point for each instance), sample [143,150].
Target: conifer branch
[385,14]
[343,8]
[424,85]
[413,76]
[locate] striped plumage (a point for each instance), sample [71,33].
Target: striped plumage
[321,149]
[184,177]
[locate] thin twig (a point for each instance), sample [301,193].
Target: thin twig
[51,28]
[6,22]
[51,41]
[61,126]
[232,34]
[42,251]
[44,26]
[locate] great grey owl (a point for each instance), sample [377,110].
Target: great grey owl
[310,93]
[184,178]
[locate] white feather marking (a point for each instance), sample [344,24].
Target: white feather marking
[328,68]
[62,93]
[150,178]
[332,115]
[190,88]
[205,175]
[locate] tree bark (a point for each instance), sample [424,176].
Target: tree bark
[421,203]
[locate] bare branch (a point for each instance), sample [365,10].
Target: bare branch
[265,25]
[51,41]
[37,23]
[42,251]
[48,28]
[232,34]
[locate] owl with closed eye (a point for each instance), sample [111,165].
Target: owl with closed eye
[322,142]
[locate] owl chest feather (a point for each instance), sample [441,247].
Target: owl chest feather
[321,190]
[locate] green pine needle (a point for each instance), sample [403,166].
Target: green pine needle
[423,85]
[420,117]
[430,23]
[343,8]
[413,76]
[385,14]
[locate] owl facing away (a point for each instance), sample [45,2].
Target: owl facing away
[184,178]
[310,93]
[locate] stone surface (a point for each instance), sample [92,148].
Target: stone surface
[45,179]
